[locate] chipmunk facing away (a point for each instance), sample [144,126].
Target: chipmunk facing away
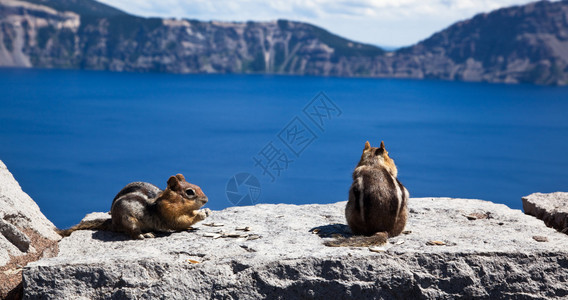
[141,208]
[377,206]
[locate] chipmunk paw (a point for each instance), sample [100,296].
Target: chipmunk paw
[207,212]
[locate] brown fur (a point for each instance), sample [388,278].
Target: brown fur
[101,224]
[377,200]
[140,209]
[178,210]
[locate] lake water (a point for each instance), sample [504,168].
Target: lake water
[73,139]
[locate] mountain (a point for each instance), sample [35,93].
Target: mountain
[88,35]
[517,44]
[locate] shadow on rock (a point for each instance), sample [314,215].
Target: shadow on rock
[111,236]
[332,230]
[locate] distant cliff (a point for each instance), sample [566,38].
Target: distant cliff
[109,39]
[518,44]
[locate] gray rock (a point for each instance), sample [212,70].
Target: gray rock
[25,233]
[481,250]
[15,236]
[19,212]
[552,208]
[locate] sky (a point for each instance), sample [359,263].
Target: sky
[387,23]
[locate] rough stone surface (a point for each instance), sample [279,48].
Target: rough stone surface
[455,248]
[15,236]
[25,233]
[552,208]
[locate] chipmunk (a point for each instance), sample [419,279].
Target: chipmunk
[377,206]
[141,208]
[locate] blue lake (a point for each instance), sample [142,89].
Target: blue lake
[73,139]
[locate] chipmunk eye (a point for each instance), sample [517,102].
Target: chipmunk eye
[190,192]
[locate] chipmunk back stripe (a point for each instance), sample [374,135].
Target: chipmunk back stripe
[148,190]
[360,198]
[136,196]
[127,190]
[406,194]
[403,190]
[399,197]
[403,199]
[356,192]
[366,183]
[391,187]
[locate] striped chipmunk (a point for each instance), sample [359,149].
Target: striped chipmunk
[141,208]
[377,207]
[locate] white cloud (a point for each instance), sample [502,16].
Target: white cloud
[380,22]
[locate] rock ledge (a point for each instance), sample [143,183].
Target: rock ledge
[482,250]
[551,208]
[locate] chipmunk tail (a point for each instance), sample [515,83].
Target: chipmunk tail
[99,224]
[377,239]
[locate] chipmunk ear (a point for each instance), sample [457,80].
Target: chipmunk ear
[180,177]
[382,145]
[367,146]
[173,183]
